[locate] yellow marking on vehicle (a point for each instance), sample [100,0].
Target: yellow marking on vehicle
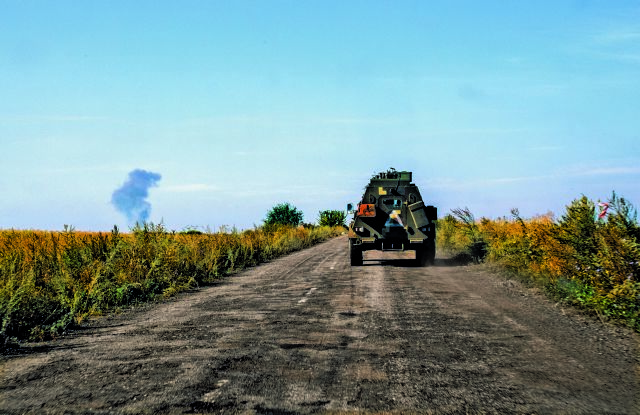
[395,215]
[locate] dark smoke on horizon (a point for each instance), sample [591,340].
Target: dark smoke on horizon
[130,198]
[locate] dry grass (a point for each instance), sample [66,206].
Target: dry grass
[51,280]
[590,262]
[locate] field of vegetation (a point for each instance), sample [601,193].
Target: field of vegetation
[52,280]
[589,257]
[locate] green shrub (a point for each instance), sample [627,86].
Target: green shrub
[332,218]
[584,260]
[284,214]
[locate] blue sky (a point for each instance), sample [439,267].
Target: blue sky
[240,105]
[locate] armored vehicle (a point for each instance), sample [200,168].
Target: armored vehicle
[393,217]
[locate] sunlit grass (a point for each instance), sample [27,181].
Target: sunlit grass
[579,258]
[51,280]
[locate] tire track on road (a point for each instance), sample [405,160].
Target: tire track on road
[380,337]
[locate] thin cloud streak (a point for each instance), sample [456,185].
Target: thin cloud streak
[618,36]
[620,57]
[189,188]
[545,148]
[456,184]
[71,118]
[608,171]
[476,131]
[287,120]
[459,185]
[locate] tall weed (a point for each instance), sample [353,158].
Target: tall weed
[584,259]
[51,280]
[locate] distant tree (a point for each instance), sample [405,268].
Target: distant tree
[191,231]
[332,218]
[284,214]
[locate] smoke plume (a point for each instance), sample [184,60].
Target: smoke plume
[131,198]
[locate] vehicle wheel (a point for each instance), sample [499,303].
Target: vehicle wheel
[355,254]
[425,254]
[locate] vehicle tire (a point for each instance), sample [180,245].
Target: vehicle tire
[425,254]
[355,254]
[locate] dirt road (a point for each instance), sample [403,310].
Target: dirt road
[309,334]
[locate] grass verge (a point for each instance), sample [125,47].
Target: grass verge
[50,281]
[587,259]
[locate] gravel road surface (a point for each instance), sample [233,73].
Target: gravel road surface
[308,333]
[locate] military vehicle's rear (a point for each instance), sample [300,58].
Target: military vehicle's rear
[393,217]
